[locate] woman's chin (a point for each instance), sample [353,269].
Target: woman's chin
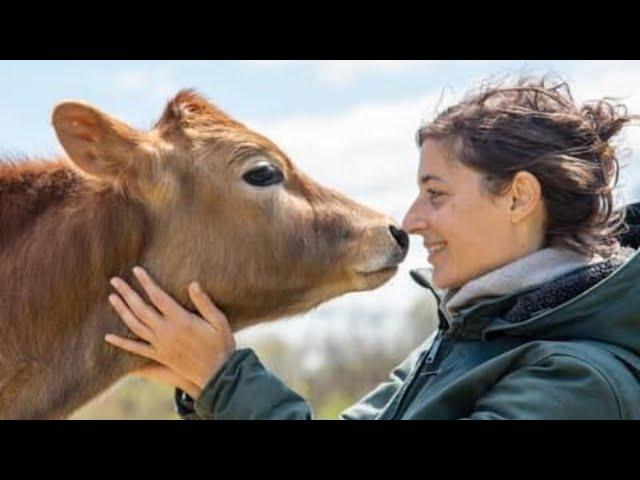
[437,280]
[442,281]
[439,285]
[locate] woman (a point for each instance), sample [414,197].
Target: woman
[538,301]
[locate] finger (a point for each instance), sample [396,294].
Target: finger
[127,316]
[206,307]
[165,302]
[139,348]
[138,306]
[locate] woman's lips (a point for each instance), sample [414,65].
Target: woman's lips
[435,247]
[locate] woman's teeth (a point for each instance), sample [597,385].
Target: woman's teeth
[436,247]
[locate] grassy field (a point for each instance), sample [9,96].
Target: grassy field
[350,369]
[133,399]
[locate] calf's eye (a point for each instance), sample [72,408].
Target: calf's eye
[263,176]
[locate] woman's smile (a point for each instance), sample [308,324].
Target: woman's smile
[434,248]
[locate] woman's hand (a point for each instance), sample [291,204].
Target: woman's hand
[188,349]
[160,373]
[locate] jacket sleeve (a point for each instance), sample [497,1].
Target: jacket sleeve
[245,389]
[558,387]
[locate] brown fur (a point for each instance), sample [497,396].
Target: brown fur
[62,239]
[172,200]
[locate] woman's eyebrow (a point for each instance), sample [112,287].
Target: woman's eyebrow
[427,178]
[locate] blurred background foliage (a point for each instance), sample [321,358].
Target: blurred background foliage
[331,372]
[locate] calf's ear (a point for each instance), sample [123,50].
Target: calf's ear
[97,143]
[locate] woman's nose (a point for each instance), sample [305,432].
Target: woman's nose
[410,222]
[418,218]
[406,226]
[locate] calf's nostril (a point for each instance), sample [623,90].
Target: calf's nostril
[401,237]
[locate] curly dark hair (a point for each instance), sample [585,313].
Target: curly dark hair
[534,125]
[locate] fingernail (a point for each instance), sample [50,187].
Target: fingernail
[114,281]
[137,270]
[112,298]
[195,287]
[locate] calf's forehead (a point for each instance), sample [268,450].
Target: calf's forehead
[237,144]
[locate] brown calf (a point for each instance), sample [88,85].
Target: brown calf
[199,197]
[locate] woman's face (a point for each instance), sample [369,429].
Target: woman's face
[467,230]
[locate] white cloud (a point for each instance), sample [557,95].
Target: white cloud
[344,72]
[368,153]
[369,149]
[157,82]
[130,79]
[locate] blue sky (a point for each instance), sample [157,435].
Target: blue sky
[257,90]
[350,125]
[261,90]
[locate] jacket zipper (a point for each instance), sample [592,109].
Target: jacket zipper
[429,357]
[448,326]
[399,397]
[433,351]
[444,325]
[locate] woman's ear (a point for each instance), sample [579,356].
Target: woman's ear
[525,196]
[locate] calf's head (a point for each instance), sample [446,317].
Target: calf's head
[226,207]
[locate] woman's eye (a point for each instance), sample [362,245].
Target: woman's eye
[263,176]
[433,194]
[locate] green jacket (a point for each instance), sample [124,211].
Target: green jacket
[577,360]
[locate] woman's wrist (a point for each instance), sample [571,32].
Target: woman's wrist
[208,374]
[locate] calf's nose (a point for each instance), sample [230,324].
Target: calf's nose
[400,236]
